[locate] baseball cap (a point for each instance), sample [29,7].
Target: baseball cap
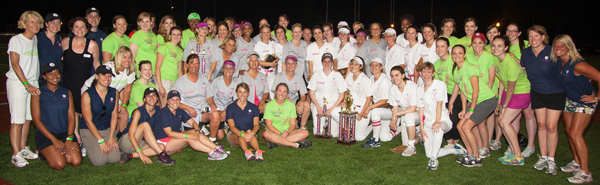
[193,16]
[90,10]
[173,93]
[49,67]
[51,17]
[102,69]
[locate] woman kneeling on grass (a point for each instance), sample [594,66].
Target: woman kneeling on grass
[168,130]
[53,114]
[242,118]
[280,117]
[141,124]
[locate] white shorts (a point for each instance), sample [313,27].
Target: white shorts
[168,85]
[19,100]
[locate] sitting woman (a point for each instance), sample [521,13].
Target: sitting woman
[99,107]
[167,130]
[403,99]
[53,114]
[280,117]
[298,92]
[244,124]
[142,122]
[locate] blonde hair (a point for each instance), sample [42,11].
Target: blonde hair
[361,25]
[214,32]
[162,30]
[297,25]
[141,17]
[227,39]
[121,52]
[573,53]
[26,15]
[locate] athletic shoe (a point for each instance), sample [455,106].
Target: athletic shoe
[164,158]
[460,151]
[433,164]
[508,151]
[471,161]
[217,142]
[259,155]
[528,151]
[551,168]
[28,154]
[19,161]
[126,157]
[506,156]
[371,143]
[460,159]
[222,150]
[271,145]
[83,150]
[484,153]
[303,128]
[541,163]
[249,155]
[304,144]
[495,145]
[409,151]
[513,161]
[571,167]
[216,156]
[205,131]
[580,177]
[449,146]
[458,146]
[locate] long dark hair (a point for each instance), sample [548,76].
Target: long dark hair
[464,50]
[521,41]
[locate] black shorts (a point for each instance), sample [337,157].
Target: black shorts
[555,101]
[42,142]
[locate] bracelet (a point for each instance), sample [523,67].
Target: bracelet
[503,107]
[186,135]
[101,141]
[280,133]
[241,134]
[515,56]
[69,139]
[138,150]
[471,110]
[123,105]
[25,83]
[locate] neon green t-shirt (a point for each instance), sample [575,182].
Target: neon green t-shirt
[510,70]
[160,39]
[452,40]
[186,36]
[462,77]
[466,42]
[488,48]
[173,54]
[146,43]
[137,95]
[113,42]
[443,71]
[514,49]
[288,34]
[484,63]
[278,114]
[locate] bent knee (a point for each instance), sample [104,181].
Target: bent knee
[57,165]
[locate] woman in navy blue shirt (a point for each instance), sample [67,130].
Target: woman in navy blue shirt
[575,74]
[53,114]
[99,108]
[49,42]
[242,117]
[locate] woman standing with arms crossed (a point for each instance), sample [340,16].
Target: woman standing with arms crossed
[168,64]
[116,39]
[575,74]
[143,43]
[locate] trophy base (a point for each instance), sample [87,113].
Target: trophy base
[319,136]
[345,142]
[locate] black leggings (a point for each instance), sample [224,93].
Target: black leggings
[453,133]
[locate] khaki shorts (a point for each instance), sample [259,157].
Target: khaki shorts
[125,144]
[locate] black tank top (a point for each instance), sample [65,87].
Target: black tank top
[77,70]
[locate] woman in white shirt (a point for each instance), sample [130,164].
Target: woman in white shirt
[379,112]
[360,90]
[346,51]
[427,52]
[394,53]
[280,33]
[412,54]
[316,50]
[264,48]
[403,99]
[326,89]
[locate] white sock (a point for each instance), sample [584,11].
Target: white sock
[212,139]
[550,158]
[411,143]
[297,145]
[545,157]
[376,131]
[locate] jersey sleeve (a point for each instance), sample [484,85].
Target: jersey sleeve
[392,99]
[513,71]
[420,97]
[441,97]
[303,89]
[367,86]
[312,84]
[210,91]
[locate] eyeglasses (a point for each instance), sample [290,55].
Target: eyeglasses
[103,111]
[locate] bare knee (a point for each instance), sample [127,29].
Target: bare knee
[268,135]
[56,164]
[551,128]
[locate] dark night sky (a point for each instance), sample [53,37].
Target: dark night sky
[570,17]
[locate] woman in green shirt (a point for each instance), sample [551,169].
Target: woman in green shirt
[470,29]
[168,63]
[280,117]
[116,39]
[443,67]
[491,32]
[136,97]
[164,29]
[448,27]
[517,44]
[143,42]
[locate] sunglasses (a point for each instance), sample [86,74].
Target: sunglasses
[103,111]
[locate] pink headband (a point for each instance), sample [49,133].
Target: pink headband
[229,62]
[236,26]
[202,24]
[246,23]
[291,58]
[362,33]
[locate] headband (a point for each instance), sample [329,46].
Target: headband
[359,61]
[202,24]
[344,30]
[229,62]
[246,23]
[361,32]
[291,58]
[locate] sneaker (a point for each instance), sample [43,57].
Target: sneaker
[433,164]
[506,156]
[249,155]
[580,177]
[205,131]
[571,167]
[409,151]
[471,161]
[495,145]
[259,155]
[371,143]
[484,153]
[126,157]
[304,144]
[508,151]
[513,161]
[458,146]
[460,151]
[222,150]
[271,145]
[551,168]
[528,151]
[303,128]
[28,154]
[19,161]
[83,150]
[216,156]
[541,163]
[217,142]
[449,146]
[460,159]
[164,158]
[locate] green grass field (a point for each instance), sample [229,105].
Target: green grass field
[323,163]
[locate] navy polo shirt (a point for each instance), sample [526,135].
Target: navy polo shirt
[48,51]
[98,37]
[165,118]
[243,119]
[540,71]
[144,117]
[54,109]
[96,104]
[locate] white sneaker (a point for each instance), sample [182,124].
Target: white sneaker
[19,161]
[541,163]
[409,151]
[83,150]
[449,146]
[28,154]
[205,131]
[484,153]
[528,151]
[508,151]
[495,145]
[551,168]
[571,167]
[580,177]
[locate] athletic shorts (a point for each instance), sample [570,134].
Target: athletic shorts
[517,101]
[553,101]
[42,142]
[19,101]
[573,107]
[164,141]
[483,110]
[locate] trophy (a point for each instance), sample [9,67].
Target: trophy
[203,62]
[347,122]
[320,133]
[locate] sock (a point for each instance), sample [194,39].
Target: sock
[411,142]
[545,157]
[297,145]
[212,139]
[376,129]
[550,158]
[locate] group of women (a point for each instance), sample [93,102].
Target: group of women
[166,87]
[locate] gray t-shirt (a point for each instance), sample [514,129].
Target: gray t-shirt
[300,53]
[258,38]
[205,52]
[256,85]
[224,95]
[296,86]
[369,50]
[243,48]
[194,94]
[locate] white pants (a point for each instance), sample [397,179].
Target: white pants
[408,120]
[381,119]
[433,142]
[362,129]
